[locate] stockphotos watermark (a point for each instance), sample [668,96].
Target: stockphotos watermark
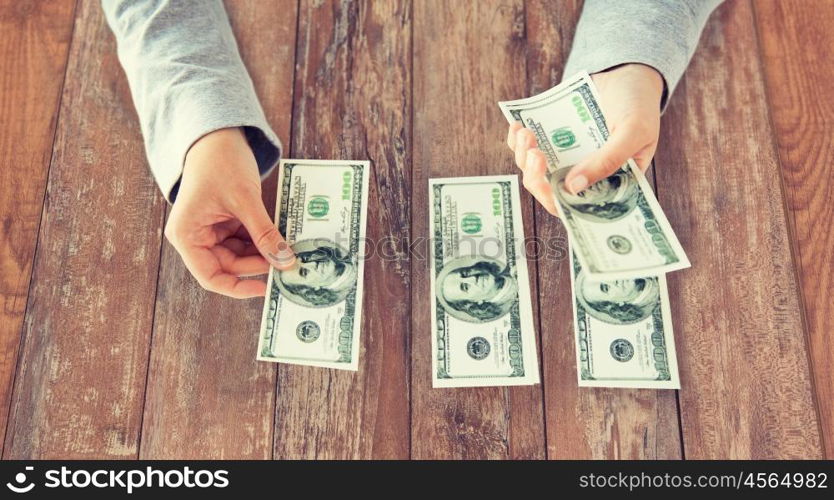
[421,249]
[125,480]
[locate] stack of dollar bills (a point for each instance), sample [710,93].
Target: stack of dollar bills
[621,245]
[481,310]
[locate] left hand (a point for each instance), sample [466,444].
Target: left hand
[630,97]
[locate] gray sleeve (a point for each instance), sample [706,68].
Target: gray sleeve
[187,79]
[662,34]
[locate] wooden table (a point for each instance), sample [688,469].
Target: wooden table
[109,349]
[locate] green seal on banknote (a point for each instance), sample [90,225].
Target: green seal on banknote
[563,138]
[470,224]
[318,207]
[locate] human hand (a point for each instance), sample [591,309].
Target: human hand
[630,97]
[219,224]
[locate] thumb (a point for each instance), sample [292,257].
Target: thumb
[265,235]
[604,162]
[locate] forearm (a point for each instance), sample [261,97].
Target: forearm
[187,79]
[662,34]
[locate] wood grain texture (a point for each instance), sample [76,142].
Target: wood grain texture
[465,60]
[352,101]
[78,392]
[34,47]
[582,423]
[746,385]
[796,40]
[342,88]
[207,396]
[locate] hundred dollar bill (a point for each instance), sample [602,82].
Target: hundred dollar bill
[481,310]
[313,312]
[567,120]
[623,332]
[617,226]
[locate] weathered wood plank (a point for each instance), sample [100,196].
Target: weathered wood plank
[465,60]
[352,100]
[207,397]
[796,41]
[582,423]
[34,47]
[78,392]
[746,386]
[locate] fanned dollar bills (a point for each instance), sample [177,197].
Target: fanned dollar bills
[623,332]
[621,245]
[616,226]
[313,312]
[481,310]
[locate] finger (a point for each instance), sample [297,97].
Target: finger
[621,145]
[204,265]
[254,265]
[524,140]
[514,128]
[643,158]
[237,288]
[265,235]
[237,265]
[535,180]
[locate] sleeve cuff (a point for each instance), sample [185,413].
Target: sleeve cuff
[662,35]
[190,114]
[595,63]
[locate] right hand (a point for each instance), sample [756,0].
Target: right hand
[219,224]
[630,96]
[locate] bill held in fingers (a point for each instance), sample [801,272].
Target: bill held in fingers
[617,227]
[481,309]
[313,311]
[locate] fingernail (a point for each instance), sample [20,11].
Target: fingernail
[578,183]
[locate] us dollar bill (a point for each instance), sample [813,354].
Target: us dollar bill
[481,310]
[313,311]
[623,331]
[616,225]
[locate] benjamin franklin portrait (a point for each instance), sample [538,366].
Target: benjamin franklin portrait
[608,200]
[323,275]
[476,289]
[619,302]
